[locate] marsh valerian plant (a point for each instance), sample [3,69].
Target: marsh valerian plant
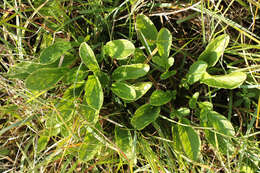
[89,85]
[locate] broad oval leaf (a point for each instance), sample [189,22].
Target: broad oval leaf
[103,78]
[119,49]
[164,42]
[160,97]
[163,62]
[146,31]
[53,52]
[89,114]
[123,90]
[132,71]
[229,81]
[140,88]
[124,141]
[44,78]
[196,71]
[215,50]
[145,115]
[42,142]
[221,125]
[89,148]
[94,93]
[189,139]
[88,57]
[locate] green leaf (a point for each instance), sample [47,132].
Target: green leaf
[124,141]
[74,75]
[183,111]
[90,147]
[177,145]
[140,88]
[214,50]
[94,93]
[146,31]
[196,71]
[42,143]
[145,115]
[132,71]
[103,78]
[167,74]
[193,100]
[53,52]
[89,114]
[74,90]
[44,78]
[119,49]
[160,97]
[163,62]
[229,81]
[88,57]
[138,57]
[221,125]
[123,90]
[189,139]
[164,42]
[24,69]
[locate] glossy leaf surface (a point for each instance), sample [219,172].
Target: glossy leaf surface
[88,57]
[229,81]
[196,71]
[145,115]
[215,50]
[146,31]
[140,89]
[119,49]
[222,126]
[163,43]
[163,62]
[132,71]
[94,93]
[160,97]
[123,90]
[190,140]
